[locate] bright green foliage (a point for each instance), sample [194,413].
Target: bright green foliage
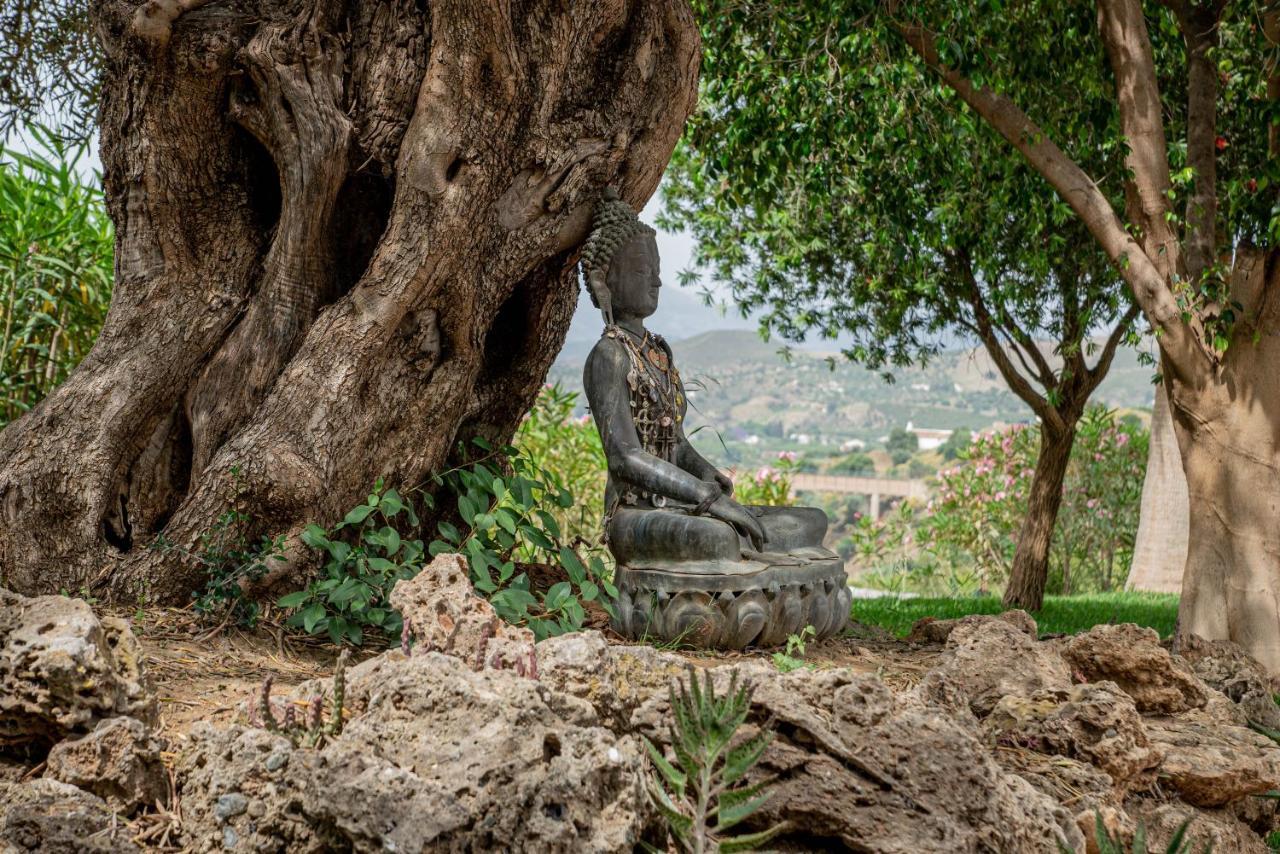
[964,539]
[365,555]
[1060,614]
[55,270]
[504,498]
[568,451]
[792,658]
[768,486]
[838,187]
[1108,844]
[505,502]
[703,794]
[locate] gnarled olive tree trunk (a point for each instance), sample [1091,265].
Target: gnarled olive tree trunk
[346,235]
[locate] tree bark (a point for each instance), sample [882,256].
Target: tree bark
[1160,547]
[1231,455]
[1030,571]
[346,236]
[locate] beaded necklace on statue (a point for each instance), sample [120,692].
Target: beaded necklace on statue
[657,396]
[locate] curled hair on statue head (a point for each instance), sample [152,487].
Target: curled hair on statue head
[613,224]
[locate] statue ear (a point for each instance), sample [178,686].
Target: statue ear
[600,290]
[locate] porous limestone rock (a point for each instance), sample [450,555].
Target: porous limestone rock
[1131,656]
[1211,766]
[934,630]
[992,658]
[444,614]
[62,669]
[1227,667]
[119,761]
[1213,830]
[1095,722]
[856,766]
[50,817]
[436,757]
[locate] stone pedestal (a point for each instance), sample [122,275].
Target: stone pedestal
[758,601]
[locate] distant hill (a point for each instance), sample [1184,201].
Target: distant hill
[741,387]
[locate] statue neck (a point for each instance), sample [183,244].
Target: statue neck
[634,325]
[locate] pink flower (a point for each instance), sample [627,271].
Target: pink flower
[1091,503]
[789,456]
[1000,496]
[1122,439]
[1097,458]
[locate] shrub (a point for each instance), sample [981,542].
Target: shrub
[856,463]
[504,500]
[965,537]
[769,485]
[55,269]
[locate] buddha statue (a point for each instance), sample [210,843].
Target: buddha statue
[692,563]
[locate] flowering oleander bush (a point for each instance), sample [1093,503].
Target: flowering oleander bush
[963,539]
[768,485]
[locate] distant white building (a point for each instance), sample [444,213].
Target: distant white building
[753,439]
[919,386]
[928,437]
[852,445]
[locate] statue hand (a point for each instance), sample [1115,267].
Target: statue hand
[727,510]
[726,485]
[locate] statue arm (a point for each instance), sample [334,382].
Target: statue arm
[605,380]
[697,465]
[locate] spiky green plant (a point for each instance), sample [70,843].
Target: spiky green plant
[1178,844]
[703,794]
[55,269]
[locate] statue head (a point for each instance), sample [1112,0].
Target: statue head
[620,261]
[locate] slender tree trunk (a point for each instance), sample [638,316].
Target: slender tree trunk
[346,236]
[1031,559]
[1160,549]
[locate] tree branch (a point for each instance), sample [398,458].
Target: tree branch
[1124,33]
[1199,27]
[1144,278]
[962,268]
[1098,372]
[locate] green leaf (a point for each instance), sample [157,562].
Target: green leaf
[466,509]
[358,514]
[556,596]
[569,560]
[588,591]
[449,532]
[390,504]
[315,536]
[311,615]
[293,600]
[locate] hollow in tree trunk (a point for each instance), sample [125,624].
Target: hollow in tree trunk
[1030,570]
[345,240]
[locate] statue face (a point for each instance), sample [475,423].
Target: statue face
[633,277]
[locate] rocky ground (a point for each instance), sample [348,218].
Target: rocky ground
[973,735]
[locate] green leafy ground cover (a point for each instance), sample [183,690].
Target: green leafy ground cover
[1061,614]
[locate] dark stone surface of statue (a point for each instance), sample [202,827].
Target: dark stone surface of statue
[692,563]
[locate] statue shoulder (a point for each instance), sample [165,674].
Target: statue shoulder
[609,353]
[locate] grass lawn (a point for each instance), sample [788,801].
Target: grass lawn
[1066,614]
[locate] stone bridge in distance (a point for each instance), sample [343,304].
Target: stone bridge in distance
[876,488]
